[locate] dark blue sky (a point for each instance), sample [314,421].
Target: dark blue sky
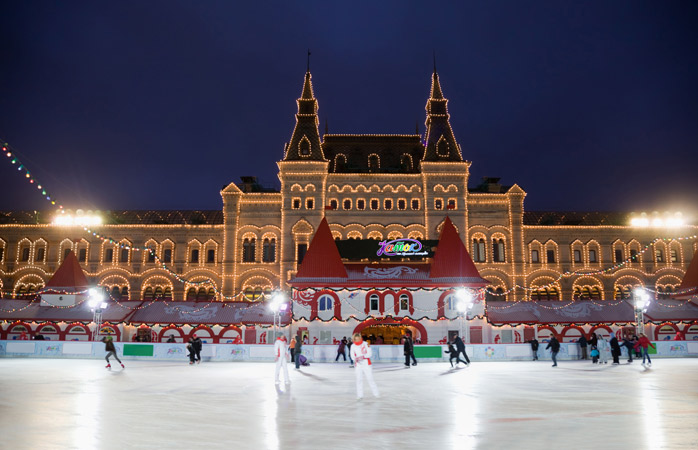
[135,105]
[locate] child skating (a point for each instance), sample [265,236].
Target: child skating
[361,354]
[111,351]
[280,356]
[455,354]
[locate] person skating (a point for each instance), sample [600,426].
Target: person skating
[297,350]
[408,348]
[460,346]
[630,346]
[554,346]
[291,349]
[534,348]
[341,350]
[111,351]
[281,358]
[171,339]
[361,354]
[351,361]
[582,341]
[644,344]
[454,355]
[615,349]
[195,345]
[602,345]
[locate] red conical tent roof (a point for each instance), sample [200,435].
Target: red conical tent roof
[452,258]
[322,259]
[69,276]
[690,280]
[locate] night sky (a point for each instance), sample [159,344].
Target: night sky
[158,104]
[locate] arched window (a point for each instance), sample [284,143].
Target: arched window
[40,255]
[115,293]
[158,292]
[148,293]
[248,249]
[167,295]
[201,294]
[325,303]
[406,162]
[373,163]
[553,293]
[191,294]
[535,256]
[373,302]
[124,293]
[592,256]
[498,254]
[404,302]
[269,250]
[479,254]
[442,147]
[304,147]
[451,302]
[340,163]
[577,256]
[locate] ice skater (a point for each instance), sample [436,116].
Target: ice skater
[408,348]
[460,346]
[454,355]
[361,354]
[615,349]
[351,361]
[341,350]
[281,358]
[195,346]
[554,346]
[645,344]
[602,346]
[111,351]
[534,348]
[297,350]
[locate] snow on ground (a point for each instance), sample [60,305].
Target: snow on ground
[78,404]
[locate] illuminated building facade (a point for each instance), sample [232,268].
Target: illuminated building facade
[380,187]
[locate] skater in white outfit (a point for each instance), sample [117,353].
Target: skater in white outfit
[603,347]
[280,356]
[361,354]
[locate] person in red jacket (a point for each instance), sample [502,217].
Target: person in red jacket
[644,344]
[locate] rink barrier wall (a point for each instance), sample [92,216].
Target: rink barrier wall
[314,353]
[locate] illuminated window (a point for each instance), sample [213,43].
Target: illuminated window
[361,204]
[325,303]
[404,302]
[296,203]
[124,255]
[248,249]
[633,255]
[659,254]
[438,203]
[618,255]
[305,146]
[346,204]
[415,203]
[108,255]
[167,255]
[269,250]
[674,255]
[388,204]
[498,254]
[406,162]
[373,302]
[592,256]
[211,256]
[479,254]
[374,204]
[151,255]
[451,203]
[551,256]
[402,204]
[577,256]
[309,203]
[373,163]
[40,254]
[25,255]
[535,257]
[82,255]
[333,203]
[66,252]
[194,256]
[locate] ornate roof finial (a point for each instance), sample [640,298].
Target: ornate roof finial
[308,69]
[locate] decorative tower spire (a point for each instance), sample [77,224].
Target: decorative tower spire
[441,144]
[305,140]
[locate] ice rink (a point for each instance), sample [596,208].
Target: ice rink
[78,404]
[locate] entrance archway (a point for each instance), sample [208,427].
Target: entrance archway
[391,328]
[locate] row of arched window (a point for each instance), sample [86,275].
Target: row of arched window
[479,250]
[249,250]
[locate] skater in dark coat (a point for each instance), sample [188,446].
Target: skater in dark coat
[582,341]
[534,348]
[297,350]
[454,355]
[460,346]
[615,349]
[341,348]
[195,350]
[554,346]
[630,346]
[111,351]
[408,347]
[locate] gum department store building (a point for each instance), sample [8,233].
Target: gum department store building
[368,187]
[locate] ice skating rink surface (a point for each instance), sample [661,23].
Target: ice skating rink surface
[78,404]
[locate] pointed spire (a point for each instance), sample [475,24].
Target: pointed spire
[305,140]
[322,259]
[452,259]
[441,144]
[69,276]
[689,284]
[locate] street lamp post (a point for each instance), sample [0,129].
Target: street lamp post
[97,305]
[642,302]
[277,305]
[464,304]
